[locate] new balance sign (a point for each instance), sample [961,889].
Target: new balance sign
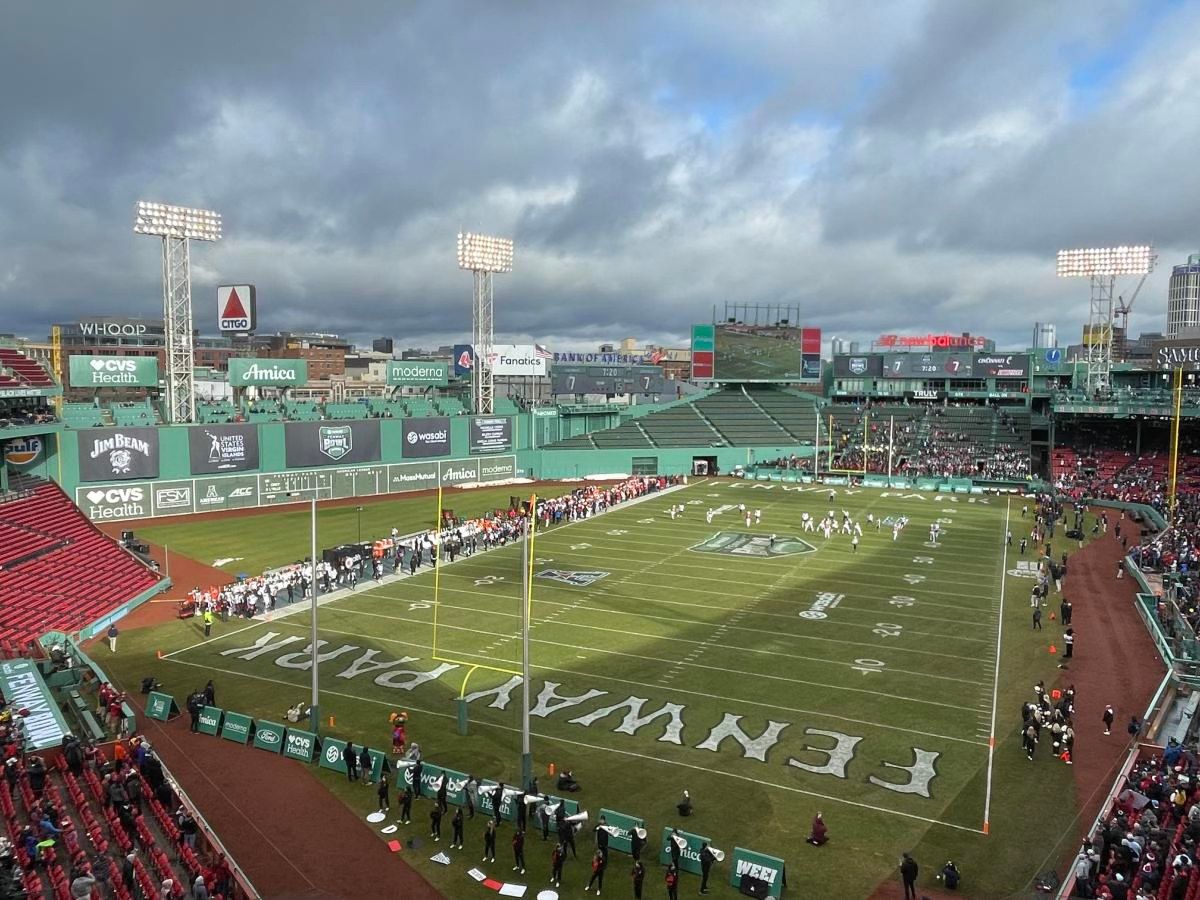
[236,307]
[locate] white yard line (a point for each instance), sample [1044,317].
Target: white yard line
[987,799]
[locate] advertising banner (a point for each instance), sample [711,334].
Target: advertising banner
[455,783]
[464,471]
[116,454]
[331,754]
[23,451]
[161,706]
[269,736]
[626,823]
[491,434]
[171,498]
[324,444]
[234,492]
[113,371]
[858,366]
[760,867]
[689,857]
[236,727]
[464,359]
[418,372]
[254,372]
[425,437]
[101,504]
[1001,365]
[237,308]
[214,449]
[508,804]
[210,720]
[25,689]
[412,476]
[501,468]
[520,360]
[300,744]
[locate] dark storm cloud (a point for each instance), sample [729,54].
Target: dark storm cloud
[915,168]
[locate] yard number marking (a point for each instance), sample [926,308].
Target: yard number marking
[914,579]
[581,546]
[944,521]
[901,600]
[616,531]
[413,606]
[887,629]
[868,666]
[923,560]
[488,579]
[645,521]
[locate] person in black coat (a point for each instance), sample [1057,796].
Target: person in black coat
[365,763]
[350,758]
[456,842]
[406,806]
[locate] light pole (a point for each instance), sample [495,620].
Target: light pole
[483,256]
[178,226]
[315,710]
[1102,265]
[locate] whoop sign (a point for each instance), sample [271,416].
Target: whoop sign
[237,307]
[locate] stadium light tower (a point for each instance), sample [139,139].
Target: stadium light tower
[178,226]
[483,256]
[1103,265]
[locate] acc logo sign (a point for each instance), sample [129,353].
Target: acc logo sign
[22,451]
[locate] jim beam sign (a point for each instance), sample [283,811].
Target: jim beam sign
[114,454]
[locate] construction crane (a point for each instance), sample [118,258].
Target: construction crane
[1123,309]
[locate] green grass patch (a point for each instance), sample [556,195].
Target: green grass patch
[771,681]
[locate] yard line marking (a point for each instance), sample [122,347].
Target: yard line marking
[987,798]
[669,762]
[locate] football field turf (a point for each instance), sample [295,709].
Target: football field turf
[772,680]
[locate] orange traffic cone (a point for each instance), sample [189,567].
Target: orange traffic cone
[553,769]
[1053,649]
[158,653]
[1051,617]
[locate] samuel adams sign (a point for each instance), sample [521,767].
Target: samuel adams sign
[1177,356]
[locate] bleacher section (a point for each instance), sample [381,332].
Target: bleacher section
[215,412]
[727,418]
[18,370]
[141,412]
[82,415]
[57,570]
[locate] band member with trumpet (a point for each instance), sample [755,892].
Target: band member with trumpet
[518,844]
[639,876]
[489,841]
[599,864]
[557,857]
[637,843]
[708,856]
[456,842]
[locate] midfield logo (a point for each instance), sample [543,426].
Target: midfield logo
[1025,569]
[738,543]
[575,579]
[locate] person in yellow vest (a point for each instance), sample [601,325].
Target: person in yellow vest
[208,622]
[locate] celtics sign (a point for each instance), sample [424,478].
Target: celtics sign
[761,546]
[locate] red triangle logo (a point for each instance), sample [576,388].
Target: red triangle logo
[233,307]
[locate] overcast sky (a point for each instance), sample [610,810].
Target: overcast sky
[907,166]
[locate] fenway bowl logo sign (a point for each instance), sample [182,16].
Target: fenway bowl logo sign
[858,365]
[23,451]
[336,441]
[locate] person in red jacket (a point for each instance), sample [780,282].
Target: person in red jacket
[598,866]
[672,879]
[818,836]
[518,842]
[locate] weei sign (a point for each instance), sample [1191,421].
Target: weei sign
[491,434]
[113,371]
[248,372]
[418,373]
[521,360]
[748,865]
[324,444]
[222,448]
[116,454]
[425,437]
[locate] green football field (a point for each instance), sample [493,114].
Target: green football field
[772,680]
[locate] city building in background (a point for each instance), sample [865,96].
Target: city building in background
[1183,297]
[1045,336]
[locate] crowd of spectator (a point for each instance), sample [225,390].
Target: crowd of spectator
[23,416]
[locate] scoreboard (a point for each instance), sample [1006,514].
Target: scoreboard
[585,379]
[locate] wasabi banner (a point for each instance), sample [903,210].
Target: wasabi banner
[113,371]
[418,372]
[625,823]
[689,857]
[24,688]
[236,727]
[300,744]
[245,372]
[456,783]
[269,736]
[210,720]
[161,706]
[759,867]
[331,757]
